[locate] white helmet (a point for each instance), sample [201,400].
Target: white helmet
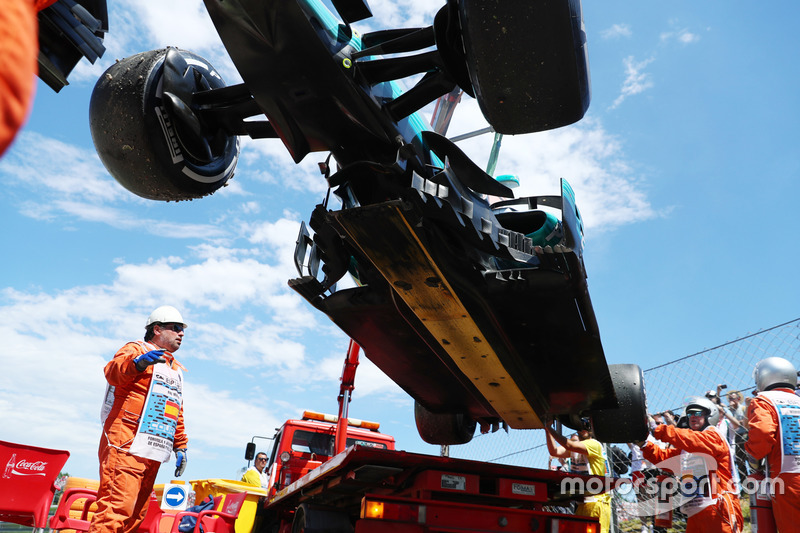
[774,372]
[166,314]
[698,402]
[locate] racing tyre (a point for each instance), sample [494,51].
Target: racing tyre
[527,62]
[628,423]
[445,428]
[148,135]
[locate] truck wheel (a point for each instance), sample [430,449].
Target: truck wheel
[316,519]
[299,522]
[628,423]
[444,428]
[147,134]
[527,62]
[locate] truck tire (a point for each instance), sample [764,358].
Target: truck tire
[444,428]
[315,519]
[299,522]
[140,138]
[627,423]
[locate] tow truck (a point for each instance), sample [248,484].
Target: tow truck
[338,474]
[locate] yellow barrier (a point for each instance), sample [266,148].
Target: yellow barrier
[202,488]
[218,487]
[77,506]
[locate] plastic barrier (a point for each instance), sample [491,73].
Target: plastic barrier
[77,506]
[216,487]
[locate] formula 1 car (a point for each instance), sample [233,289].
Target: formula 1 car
[479,311]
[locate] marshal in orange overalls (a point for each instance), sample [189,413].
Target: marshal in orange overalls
[763,441]
[724,516]
[126,480]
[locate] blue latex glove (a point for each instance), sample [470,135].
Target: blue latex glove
[150,358]
[180,461]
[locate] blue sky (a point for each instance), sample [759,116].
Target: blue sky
[685,169]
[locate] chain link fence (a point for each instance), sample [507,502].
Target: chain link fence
[668,385]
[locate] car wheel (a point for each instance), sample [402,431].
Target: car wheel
[627,423]
[527,62]
[147,134]
[443,428]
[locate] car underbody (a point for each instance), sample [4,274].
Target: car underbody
[471,300]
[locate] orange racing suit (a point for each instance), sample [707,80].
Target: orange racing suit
[764,439]
[19,46]
[724,512]
[126,480]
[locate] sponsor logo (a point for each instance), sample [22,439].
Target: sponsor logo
[169,134]
[452,482]
[523,488]
[687,480]
[24,467]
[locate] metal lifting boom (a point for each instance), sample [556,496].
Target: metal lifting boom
[345,390]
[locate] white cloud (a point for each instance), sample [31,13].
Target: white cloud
[65,171]
[616,31]
[136,27]
[267,161]
[182,23]
[636,80]
[222,419]
[250,208]
[71,184]
[371,380]
[608,191]
[391,14]
[241,317]
[682,36]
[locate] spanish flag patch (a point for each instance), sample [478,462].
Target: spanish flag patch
[171,410]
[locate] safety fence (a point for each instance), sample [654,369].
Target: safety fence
[668,385]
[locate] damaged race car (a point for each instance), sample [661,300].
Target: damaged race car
[471,300]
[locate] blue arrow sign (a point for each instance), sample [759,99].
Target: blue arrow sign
[175,496]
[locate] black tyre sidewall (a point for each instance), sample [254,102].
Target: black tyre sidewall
[132,134]
[628,423]
[444,428]
[299,522]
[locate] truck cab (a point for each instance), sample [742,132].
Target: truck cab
[303,445]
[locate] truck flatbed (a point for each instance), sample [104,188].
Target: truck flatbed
[359,470]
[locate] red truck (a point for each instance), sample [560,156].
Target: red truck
[372,487]
[334,474]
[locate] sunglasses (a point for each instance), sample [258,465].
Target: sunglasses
[177,328]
